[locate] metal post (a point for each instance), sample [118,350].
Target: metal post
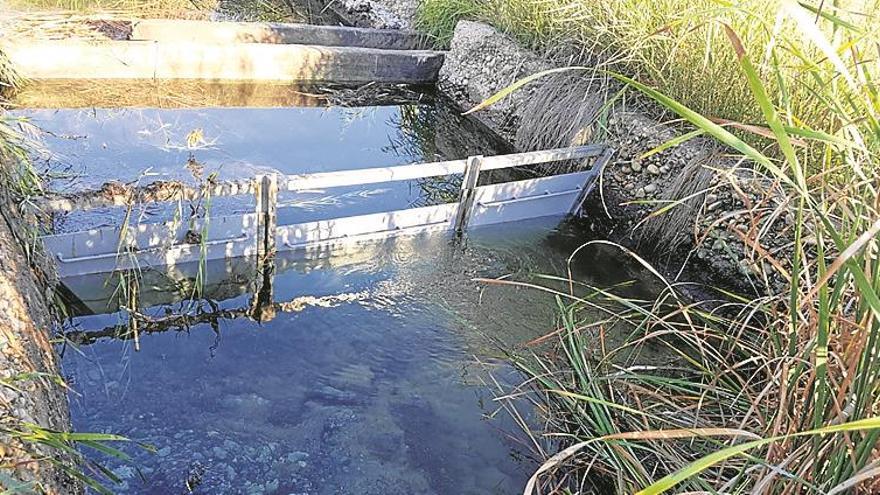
[258,211]
[266,193]
[468,193]
[595,173]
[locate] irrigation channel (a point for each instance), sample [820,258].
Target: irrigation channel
[368,369]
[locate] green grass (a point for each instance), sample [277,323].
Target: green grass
[772,394]
[9,79]
[680,47]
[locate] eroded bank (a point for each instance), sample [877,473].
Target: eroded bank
[33,397]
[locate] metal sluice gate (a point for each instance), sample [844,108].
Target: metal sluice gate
[127,247]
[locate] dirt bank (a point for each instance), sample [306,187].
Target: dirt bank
[377,14]
[30,386]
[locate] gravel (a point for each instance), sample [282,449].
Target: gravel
[482,61]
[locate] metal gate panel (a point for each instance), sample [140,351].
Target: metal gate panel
[533,198]
[323,233]
[176,243]
[103,250]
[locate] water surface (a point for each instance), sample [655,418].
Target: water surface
[370,374]
[381,389]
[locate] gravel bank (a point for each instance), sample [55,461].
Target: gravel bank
[709,237]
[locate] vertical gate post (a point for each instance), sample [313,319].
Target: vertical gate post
[468,193]
[266,193]
[595,173]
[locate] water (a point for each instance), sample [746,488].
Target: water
[380,393]
[370,376]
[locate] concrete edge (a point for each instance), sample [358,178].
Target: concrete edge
[221,62]
[280,33]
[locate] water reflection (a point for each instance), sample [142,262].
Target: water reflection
[365,383]
[362,378]
[85,148]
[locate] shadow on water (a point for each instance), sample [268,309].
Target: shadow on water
[360,373]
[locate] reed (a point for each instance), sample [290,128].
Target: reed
[774,393]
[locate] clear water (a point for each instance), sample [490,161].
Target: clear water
[373,380]
[382,393]
[101,144]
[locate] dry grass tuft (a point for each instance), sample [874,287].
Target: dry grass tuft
[667,233]
[564,112]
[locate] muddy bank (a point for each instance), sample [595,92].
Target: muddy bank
[30,387]
[712,234]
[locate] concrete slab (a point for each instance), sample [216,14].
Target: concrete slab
[279,33]
[158,60]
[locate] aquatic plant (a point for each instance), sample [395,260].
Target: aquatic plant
[127,276]
[770,394]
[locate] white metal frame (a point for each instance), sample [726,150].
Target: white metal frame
[114,248]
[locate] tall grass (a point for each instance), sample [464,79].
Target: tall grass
[775,394]
[9,79]
[675,45]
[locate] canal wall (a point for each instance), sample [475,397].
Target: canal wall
[31,390]
[252,62]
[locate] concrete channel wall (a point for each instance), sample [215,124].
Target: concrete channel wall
[281,33]
[159,60]
[230,51]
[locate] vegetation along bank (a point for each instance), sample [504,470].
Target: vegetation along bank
[33,398]
[747,136]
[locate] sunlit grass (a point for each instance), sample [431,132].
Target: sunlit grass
[777,392]
[680,47]
[141,8]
